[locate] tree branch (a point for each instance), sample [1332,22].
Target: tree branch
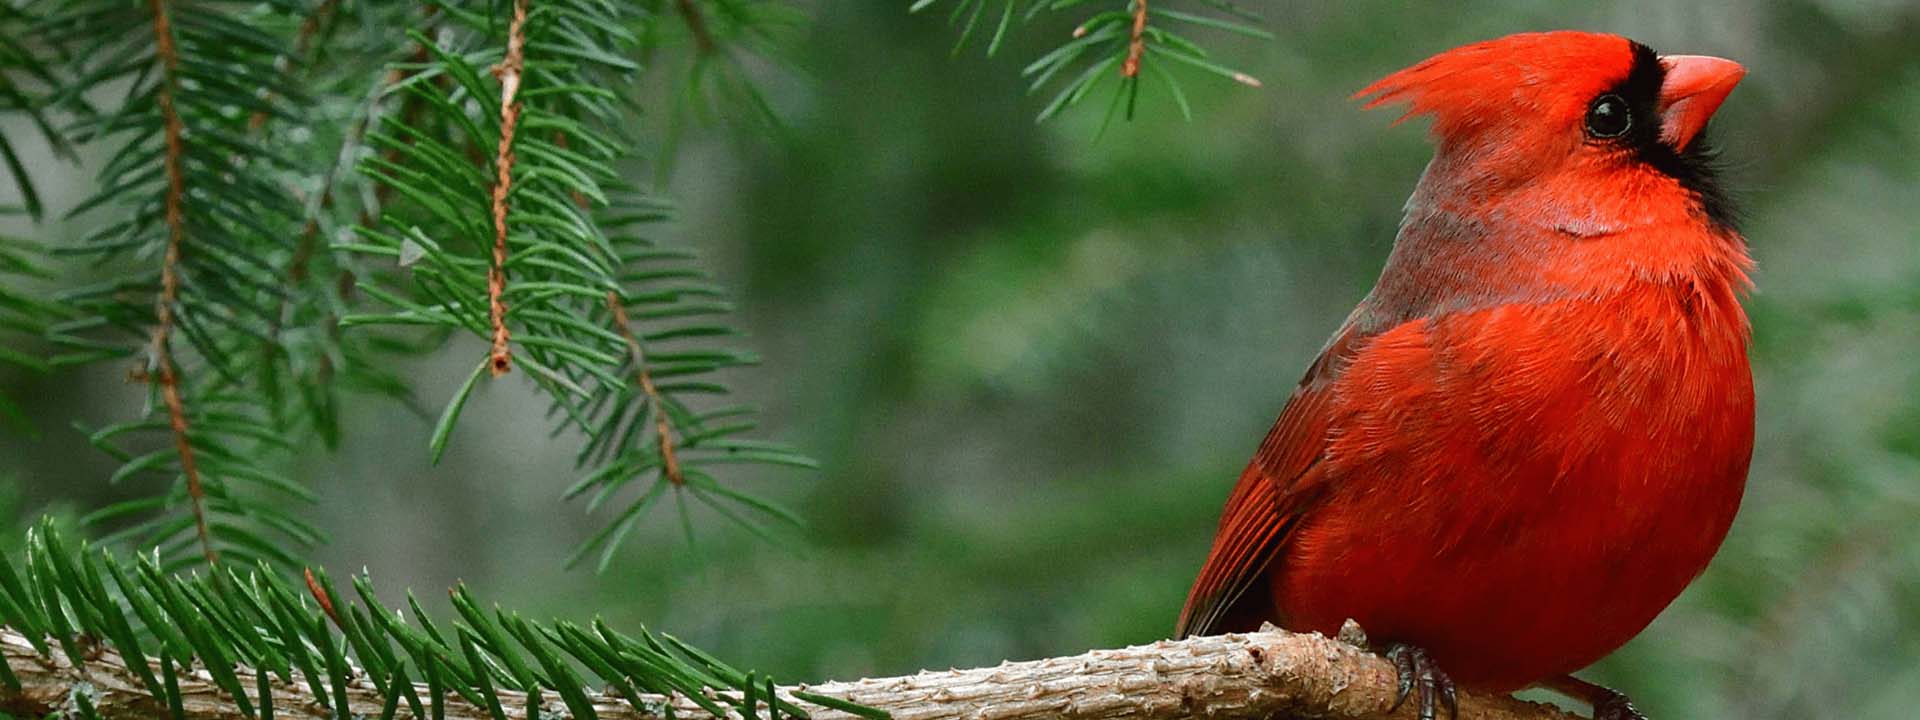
[1257,675]
[163,373]
[696,26]
[1136,40]
[669,462]
[509,73]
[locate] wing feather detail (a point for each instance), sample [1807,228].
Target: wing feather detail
[1274,489]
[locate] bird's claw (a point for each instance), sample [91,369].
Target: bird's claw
[1416,670]
[1612,705]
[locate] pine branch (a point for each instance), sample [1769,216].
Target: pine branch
[233,644]
[195,208]
[200,635]
[1270,674]
[1136,41]
[1123,44]
[163,375]
[663,431]
[508,71]
[302,42]
[734,45]
[25,81]
[696,25]
[312,356]
[23,315]
[630,375]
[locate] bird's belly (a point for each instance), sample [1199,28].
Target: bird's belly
[1517,554]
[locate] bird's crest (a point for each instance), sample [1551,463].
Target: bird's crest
[1546,76]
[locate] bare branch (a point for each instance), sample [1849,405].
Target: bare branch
[1258,675]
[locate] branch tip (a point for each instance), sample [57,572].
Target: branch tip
[1137,42]
[508,71]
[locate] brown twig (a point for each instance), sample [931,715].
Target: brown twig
[1137,42]
[509,73]
[164,375]
[301,41]
[1225,677]
[669,463]
[696,25]
[410,108]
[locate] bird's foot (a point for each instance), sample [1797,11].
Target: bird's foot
[1417,671]
[1612,705]
[1352,634]
[1608,703]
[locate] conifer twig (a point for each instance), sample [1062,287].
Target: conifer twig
[696,25]
[669,463]
[1225,677]
[309,27]
[408,113]
[1137,41]
[509,73]
[163,373]
[298,265]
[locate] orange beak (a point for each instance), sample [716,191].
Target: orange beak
[1694,88]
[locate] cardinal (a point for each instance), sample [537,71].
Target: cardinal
[1534,431]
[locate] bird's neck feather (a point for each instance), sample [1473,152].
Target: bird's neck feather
[1470,240]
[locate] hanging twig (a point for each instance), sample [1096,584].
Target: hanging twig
[162,373]
[1137,41]
[669,464]
[696,25]
[301,42]
[509,73]
[409,113]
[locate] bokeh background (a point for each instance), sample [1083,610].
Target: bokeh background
[1031,359]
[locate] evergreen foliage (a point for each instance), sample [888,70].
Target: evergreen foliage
[189,221]
[1124,44]
[295,194]
[229,620]
[22,317]
[288,182]
[615,328]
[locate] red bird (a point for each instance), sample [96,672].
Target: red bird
[1534,431]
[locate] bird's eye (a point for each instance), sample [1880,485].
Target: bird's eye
[1608,117]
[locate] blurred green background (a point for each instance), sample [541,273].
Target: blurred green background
[1032,360]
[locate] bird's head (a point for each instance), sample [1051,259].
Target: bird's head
[1566,112]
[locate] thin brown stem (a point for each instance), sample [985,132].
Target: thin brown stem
[508,71]
[164,375]
[410,108]
[299,265]
[696,25]
[669,463]
[1137,42]
[302,40]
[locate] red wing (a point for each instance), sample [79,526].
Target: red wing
[1269,496]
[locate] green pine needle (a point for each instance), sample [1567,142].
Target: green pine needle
[232,622]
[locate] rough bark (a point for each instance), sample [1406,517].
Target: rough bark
[1256,675]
